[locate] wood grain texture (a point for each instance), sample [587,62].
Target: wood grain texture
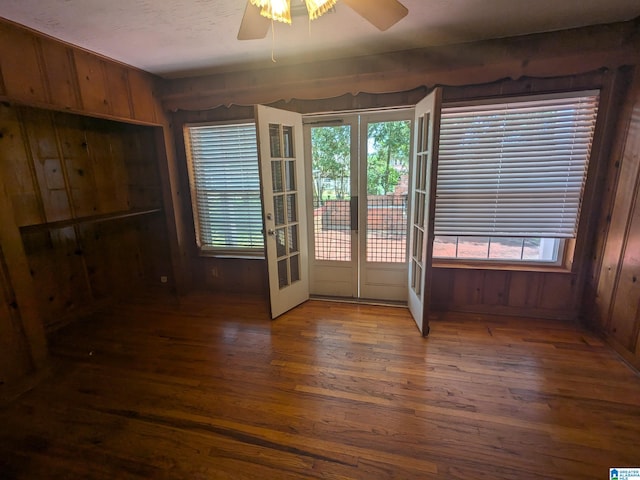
[554,54]
[20,320]
[51,174]
[39,71]
[208,387]
[84,175]
[520,293]
[20,65]
[614,305]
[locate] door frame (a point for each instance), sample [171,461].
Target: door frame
[322,273]
[381,280]
[334,278]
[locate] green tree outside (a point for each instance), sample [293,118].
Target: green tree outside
[388,157]
[331,153]
[387,160]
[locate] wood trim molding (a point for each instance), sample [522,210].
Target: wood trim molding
[554,54]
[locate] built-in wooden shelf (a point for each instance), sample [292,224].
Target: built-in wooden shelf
[106,217]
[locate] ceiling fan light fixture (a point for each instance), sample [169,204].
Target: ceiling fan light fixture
[278,10]
[317,8]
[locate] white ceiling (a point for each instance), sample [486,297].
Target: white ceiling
[175,38]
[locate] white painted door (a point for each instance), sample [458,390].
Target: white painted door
[385,146]
[282,179]
[422,193]
[357,191]
[331,144]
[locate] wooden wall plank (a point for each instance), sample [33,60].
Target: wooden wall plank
[616,309]
[61,77]
[20,66]
[636,350]
[144,177]
[495,287]
[524,289]
[92,82]
[442,284]
[142,96]
[626,300]
[73,150]
[15,360]
[118,90]
[112,252]
[58,274]
[47,164]
[17,170]
[557,292]
[155,256]
[233,275]
[468,287]
[17,277]
[110,170]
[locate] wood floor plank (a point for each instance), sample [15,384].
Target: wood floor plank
[207,386]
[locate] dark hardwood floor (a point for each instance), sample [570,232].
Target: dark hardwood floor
[210,388]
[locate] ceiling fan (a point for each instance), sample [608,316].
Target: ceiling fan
[258,14]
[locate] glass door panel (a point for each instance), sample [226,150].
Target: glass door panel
[332,147]
[388,145]
[331,181]
[282,172]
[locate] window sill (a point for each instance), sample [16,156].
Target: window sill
[510,267]
[231,255]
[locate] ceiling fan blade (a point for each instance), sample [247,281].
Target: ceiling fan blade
[381,13]
[254,26]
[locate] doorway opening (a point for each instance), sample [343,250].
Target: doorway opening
[357,198]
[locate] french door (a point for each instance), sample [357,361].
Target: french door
[357,196]
[370,193]
[423,193]
[282,179]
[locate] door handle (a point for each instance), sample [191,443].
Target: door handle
[271,232]
[353,213]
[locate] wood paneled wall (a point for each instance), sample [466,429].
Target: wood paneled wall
[519,293]
[612,293]
[86,205]
[22,341]
[87,198]
[39,71]
[15,359]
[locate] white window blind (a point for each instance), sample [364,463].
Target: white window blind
[225,186]
[514,168]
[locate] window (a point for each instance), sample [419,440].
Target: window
[511,176]
[225,188]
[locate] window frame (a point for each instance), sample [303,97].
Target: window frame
[560,251]
[566,246]
[211,250]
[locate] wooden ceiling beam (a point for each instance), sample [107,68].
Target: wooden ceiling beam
[561,53]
